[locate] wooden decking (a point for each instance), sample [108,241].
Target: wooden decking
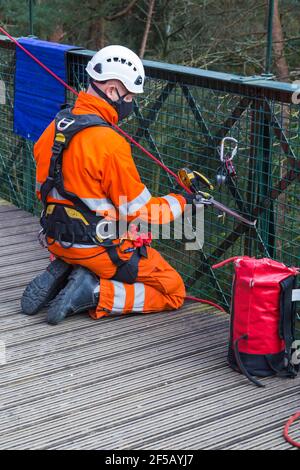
[139,382]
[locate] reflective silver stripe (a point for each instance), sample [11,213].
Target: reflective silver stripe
[119,297]
[78,245]
[139,297]
[38,186]
[102,204]
[129,208]
[295,295]
[55,194]
[174,205]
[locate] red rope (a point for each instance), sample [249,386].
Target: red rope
[286,430]
[38,61]
[131,139]
[202,301]
[157,161]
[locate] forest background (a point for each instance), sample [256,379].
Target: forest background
[223,35]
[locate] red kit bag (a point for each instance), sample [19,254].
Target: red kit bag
[263,315]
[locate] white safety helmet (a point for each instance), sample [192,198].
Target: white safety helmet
[120,63]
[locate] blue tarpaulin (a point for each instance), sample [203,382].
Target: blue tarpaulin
[38,95]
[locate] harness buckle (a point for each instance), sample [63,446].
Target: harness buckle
[64,123]
[102,230]
[42,239]
[57,147]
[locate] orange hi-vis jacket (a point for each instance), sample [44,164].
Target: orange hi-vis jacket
[98,167]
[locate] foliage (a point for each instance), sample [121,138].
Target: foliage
[213,34]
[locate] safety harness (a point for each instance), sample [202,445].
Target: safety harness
[78,224]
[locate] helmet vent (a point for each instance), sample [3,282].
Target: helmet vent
[138,81]
[98,68]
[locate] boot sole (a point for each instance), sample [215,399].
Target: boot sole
[57,311]
[42,290]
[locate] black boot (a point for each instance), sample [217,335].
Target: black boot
[81,293]
[45,287]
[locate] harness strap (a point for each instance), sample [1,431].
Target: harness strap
[127,271]
[67,125]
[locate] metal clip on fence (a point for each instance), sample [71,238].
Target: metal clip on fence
[228,157]
[226,170]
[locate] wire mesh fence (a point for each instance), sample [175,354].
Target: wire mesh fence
[181,118]
[17,166]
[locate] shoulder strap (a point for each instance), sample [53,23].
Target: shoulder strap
[288,319]
[67,125]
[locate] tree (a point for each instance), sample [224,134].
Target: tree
[281,64]
[225,35]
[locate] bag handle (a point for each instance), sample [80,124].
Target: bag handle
[226,261]
[234,258]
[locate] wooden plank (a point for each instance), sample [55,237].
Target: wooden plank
[135,382]
[28,227]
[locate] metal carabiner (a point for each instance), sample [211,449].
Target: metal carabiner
[42,239]
[234,151]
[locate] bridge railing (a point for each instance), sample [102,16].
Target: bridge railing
[181,118]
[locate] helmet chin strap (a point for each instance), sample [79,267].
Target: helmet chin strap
[122,107]
[101,93]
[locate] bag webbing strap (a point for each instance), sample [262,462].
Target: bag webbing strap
[287,320]
[241,365]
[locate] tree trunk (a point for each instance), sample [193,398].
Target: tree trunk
[282,73]
[147,28]
[97,33]
[282,69]
[58,34]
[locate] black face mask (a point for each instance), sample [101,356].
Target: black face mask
[123,108]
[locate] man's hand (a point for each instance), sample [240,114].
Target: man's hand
[189,198]
[192,199]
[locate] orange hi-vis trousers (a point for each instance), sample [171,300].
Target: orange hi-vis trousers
[158,286]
